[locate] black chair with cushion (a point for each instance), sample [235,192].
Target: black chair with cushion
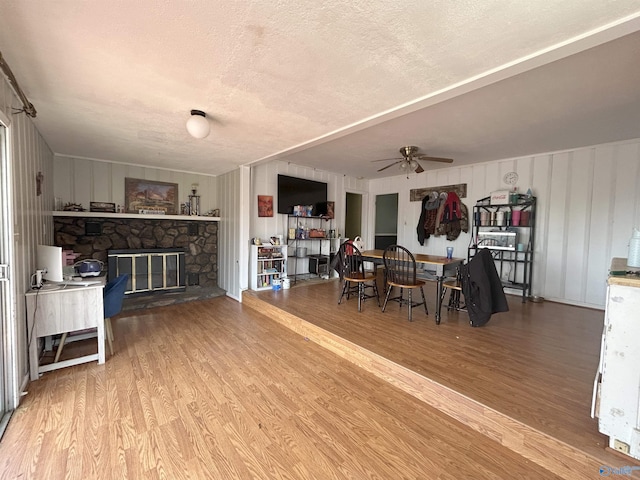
[113,299]
[354,277]
[400,271]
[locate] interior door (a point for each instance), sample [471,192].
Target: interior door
[353,217]
[386,228]
[5,295]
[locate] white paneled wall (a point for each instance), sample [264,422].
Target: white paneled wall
[588,202]
[264,181]
[80,180]
[232,194]
[28,155]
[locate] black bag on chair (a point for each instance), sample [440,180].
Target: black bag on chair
[482,288]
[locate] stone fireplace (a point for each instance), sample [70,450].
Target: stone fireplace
[92,236]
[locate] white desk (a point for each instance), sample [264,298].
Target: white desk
[59,310]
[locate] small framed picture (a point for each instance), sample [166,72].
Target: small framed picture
[331,206]
[265,205]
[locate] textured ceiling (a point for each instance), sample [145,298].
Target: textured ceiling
[331,84]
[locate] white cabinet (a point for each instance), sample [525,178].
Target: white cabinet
[618,409]
[268,263]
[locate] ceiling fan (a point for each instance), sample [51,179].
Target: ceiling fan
[409,160]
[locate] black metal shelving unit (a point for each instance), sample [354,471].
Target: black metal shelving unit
[510,241]
[319,261]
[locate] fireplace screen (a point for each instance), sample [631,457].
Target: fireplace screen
[150,270]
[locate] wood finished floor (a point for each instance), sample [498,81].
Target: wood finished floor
[535,364]
[214,389]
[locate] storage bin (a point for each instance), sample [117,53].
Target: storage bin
[319,264]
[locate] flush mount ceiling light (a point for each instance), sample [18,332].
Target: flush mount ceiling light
[198,125]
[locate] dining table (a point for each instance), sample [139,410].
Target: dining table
[441,267]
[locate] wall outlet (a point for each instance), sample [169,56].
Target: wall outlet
[621,446]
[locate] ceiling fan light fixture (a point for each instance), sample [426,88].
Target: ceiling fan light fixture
[410,160]
[198,125]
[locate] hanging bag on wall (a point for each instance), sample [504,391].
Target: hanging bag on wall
[358,243]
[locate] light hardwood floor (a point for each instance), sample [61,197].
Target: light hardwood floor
[215,389]
[525,379]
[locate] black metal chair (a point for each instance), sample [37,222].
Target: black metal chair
[351,270]
[453,284]
[400,271]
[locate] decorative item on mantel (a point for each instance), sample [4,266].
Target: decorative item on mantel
[106,207]
[144,195]
[152,211]
[194,200]
[73,207]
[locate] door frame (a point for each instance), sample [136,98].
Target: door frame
[365,217]
[9,350]
[375,223]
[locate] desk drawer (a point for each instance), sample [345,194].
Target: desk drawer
[65,310]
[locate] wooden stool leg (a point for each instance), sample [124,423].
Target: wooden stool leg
[60,346]
[108,333]
[424,301]
[386,298]
[345,291]
[375,290]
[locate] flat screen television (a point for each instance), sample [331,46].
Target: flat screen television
[299,191]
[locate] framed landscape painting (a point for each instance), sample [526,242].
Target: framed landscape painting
[150,196]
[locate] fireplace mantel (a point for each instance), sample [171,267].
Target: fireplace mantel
[191,218]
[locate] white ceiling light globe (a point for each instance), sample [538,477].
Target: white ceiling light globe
[198,125]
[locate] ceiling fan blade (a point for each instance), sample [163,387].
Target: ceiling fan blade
[387,159]
[390,165]
[419,168]
[426,158]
